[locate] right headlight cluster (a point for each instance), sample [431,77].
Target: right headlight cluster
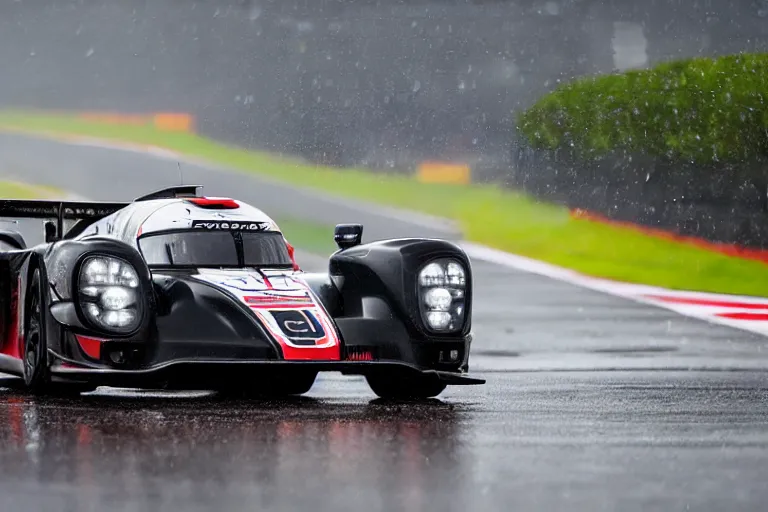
[442,295]
[109,293]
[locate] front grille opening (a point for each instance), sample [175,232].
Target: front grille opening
[122,355]
[361,353]
[443,356]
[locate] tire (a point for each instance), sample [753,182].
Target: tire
[35,358]
[411,388]
[37,377]
[274,387]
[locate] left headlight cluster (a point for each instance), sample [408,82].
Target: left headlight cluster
[442,295]
[109,293]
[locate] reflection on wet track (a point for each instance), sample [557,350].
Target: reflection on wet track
[533,441]
[143,448]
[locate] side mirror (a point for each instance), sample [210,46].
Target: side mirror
[348,235]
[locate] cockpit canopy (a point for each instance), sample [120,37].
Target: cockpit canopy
[221,248]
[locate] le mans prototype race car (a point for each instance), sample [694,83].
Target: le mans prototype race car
[180,291]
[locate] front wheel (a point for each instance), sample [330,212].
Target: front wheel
[36,376]
[411,388]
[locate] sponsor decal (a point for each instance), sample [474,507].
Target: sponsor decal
[286,308]
[215,225]
[273,297]
[300,326]
[252,281]
[87,211]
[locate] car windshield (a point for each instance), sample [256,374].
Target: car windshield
[216,249]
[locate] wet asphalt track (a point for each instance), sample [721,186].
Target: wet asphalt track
[664,436]
[588,441]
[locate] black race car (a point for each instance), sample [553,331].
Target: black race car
[180,291]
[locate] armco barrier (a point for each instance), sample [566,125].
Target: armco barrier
[165,121]
[173,122]
[444,172]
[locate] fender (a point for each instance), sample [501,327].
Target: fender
[389,270]
[62,264]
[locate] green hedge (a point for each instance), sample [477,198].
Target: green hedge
[701,110]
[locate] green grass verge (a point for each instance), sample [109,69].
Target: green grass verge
[306,235]
[499,218]
[16,190]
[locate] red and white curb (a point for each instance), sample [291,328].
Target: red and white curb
[740,312]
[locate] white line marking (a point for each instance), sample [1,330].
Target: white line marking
[581,362]
[635,292]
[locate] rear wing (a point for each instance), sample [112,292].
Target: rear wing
[58,211]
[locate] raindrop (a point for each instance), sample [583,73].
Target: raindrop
[89,52]
[553,9]
[416,86]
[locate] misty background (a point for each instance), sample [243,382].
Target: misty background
[380,83]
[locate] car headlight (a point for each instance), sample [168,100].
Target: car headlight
[442,295]
[109,293]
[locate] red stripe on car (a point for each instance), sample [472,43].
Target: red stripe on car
[91,346]
[12,344]
[215,202]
